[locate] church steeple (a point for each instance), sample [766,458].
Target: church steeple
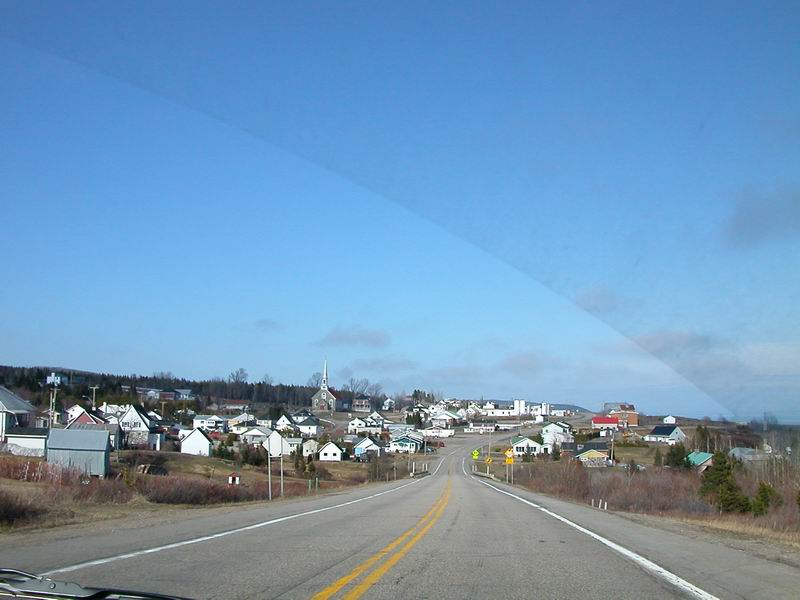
[324,385]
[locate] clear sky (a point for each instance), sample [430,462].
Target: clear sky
[575,202]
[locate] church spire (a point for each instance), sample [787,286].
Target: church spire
[324,385]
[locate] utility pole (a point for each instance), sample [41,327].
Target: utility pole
[94,389]
[281,471]
[269,471]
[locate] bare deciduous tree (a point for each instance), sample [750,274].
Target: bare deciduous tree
[315,380]
[266,379]
[238,376]
[374,390]
[356,385]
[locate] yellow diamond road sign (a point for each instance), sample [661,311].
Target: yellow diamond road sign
[509,453]
[509,460]
[488,460]
[475,454]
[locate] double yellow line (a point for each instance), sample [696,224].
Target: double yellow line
[416,533]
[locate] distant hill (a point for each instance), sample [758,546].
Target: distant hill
[572,407]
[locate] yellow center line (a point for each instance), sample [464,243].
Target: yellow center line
[337,585]
[376,575]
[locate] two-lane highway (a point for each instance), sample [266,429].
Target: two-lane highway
[449,535]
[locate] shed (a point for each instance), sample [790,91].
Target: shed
[85,450]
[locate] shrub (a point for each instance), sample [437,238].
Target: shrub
[14,509]
[103,491]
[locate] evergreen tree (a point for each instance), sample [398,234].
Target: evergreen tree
[658,460]
[719,485]
[765,497]
[676,457]
[556,453]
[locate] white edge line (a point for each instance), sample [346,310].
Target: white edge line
[648,565]
[214,536]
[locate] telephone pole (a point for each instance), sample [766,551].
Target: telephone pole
[94,389]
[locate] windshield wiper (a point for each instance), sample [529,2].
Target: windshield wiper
[19,584]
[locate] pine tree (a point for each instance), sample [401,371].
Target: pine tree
[658,460]
[720,486]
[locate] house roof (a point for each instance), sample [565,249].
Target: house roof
[665,430]
[10,402]
[77,439]
[94,426]
[309,422]
[266,431]
[330,444]
[605,420]
[37,431]
[698,458]
[521,438]
[203,433]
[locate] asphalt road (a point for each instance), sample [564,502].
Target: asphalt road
[449,535]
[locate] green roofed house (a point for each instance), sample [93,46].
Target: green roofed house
[701,460]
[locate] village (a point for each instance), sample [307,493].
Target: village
[90,437]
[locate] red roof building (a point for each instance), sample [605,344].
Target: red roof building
[605,423]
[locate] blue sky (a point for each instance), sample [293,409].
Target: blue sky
[571,203]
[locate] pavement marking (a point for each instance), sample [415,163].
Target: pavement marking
[648,565]
[214,536]
[337,585]
[361,588]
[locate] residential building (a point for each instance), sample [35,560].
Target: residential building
[405,444]
[669,420]
[666,434]
[524,446]
[362,403]
[310,426]
[197,443]
[367,446]
[481,427]
[605,424]
[388,405]
[255,436]
[285,423]
[330,452]
[445,419]
[364,425]
[435,431]
[210,423]
[86,451]
[556,434]
[139,429]
[627,417]
[14,412]
[310,447]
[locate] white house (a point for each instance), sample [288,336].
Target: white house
[241,423]
[438,432]
[444,419]
[276,444]
[330,452]
[309,427]
[295,444]
[555,434]
[310,448]
[364,425]
[388,405]
[140,429]
[284,422]
[669,420]
[523,446]
[14,412]
[367,446]
[197,443]
[210,423]
[255,435]
[666,434]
